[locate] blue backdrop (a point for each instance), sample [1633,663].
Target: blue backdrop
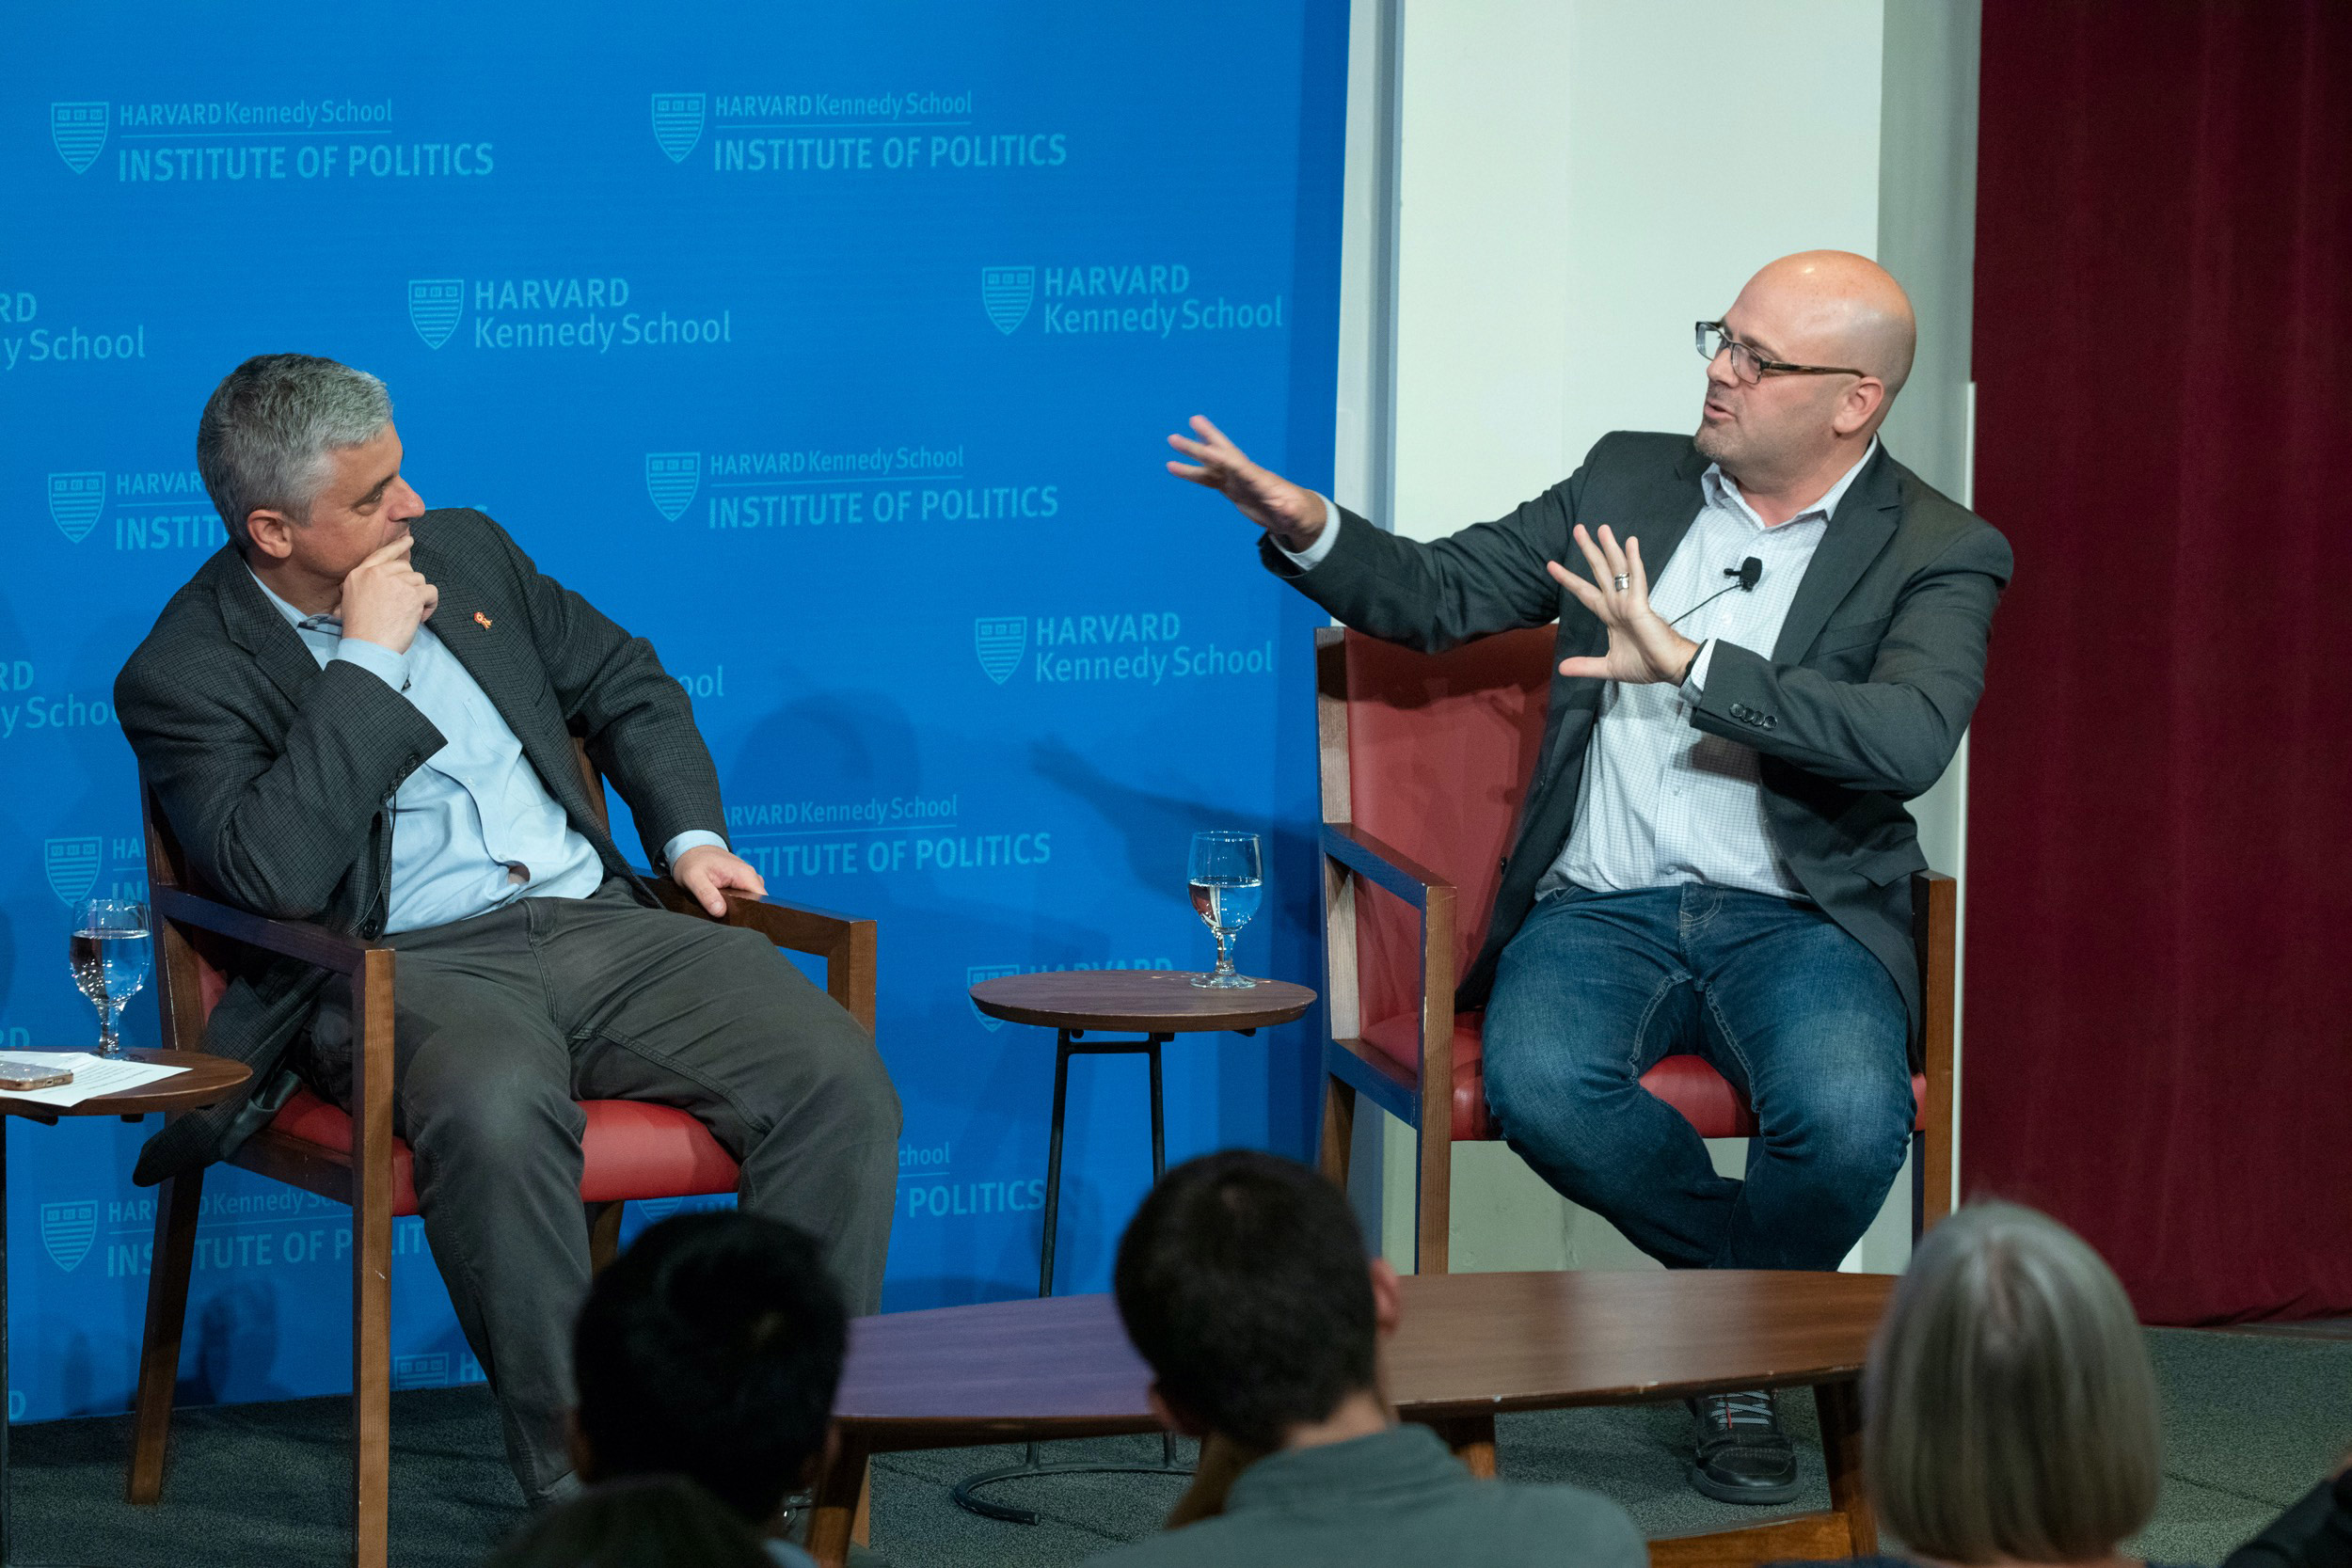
[831,350]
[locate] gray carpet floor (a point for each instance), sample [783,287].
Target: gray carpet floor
[2250,1422]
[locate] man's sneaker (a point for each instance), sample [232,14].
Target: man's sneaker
[1743,1456]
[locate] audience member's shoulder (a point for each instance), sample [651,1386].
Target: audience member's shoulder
[1586,1530]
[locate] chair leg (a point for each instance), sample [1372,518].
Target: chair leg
[371,1392]
[604,1235]
[1339,1130]
[1433,1197]
[177,1202]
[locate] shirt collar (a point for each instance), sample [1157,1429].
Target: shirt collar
[1723,493]
[294,618]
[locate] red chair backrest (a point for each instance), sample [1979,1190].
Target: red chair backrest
[1440,748]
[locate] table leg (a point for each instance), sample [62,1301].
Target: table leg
[840,1498]
[1473,1440]
[1159,1119]
[1841,1407]
[1053,1163]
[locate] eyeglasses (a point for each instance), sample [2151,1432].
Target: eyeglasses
[1751,367]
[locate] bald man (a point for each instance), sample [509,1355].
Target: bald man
[1713,857]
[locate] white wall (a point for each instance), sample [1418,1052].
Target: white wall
[1576,182]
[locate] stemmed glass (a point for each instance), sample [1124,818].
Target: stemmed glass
[110,957]
[1227,883]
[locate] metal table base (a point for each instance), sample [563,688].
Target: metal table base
[1067,1045]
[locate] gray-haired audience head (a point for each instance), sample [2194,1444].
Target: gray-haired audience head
[2010,1408]
[269,430]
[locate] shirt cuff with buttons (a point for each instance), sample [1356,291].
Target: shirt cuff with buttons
[376,659]
[1312,557]
[692,838]
[1694,684]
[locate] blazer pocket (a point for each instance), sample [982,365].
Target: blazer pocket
[1849,635]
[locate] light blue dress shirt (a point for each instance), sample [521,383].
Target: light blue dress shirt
[472,828]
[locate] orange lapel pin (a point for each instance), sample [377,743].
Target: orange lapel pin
[482,620]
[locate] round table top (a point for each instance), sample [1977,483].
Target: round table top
[1468,1344]
[1149,1001]
[207,1081]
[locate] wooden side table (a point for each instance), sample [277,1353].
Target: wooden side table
[1158,1005]
[208,1080]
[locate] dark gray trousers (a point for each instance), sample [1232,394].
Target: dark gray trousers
[502,1022]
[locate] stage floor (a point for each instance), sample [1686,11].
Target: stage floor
[2252,1420]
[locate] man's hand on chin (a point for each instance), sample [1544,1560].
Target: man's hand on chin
[707,872]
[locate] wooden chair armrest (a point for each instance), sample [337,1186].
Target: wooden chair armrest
[291,939]
[846,942]
[1382,865]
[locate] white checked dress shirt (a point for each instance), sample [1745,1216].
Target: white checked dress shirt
[1663,803]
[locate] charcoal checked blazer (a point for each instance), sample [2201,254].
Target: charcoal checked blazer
[1856,709]
[278,776]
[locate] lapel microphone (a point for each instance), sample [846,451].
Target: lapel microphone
[1750,571]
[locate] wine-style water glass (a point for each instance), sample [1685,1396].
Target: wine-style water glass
[1228,879]
[110,956]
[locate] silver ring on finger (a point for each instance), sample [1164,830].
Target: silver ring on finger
[1621,582]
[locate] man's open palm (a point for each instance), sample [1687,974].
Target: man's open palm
[1292,514]
[1642,648]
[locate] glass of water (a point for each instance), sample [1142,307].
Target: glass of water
[1228,879]
[110,957]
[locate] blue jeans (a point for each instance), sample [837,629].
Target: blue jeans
[1596,987]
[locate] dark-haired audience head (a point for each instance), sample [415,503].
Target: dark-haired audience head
[2010,1409]
[642,1522]
[1242,1280]
[710,1349]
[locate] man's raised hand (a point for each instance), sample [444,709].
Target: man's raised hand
[385,599]
[1642,648]
[1293,515]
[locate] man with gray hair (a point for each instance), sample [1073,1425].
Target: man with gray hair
[362,713]
[1713,854]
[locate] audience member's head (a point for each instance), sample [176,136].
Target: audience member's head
[644,1522]
[2010,1405]
[710,1349]
[1243,1281]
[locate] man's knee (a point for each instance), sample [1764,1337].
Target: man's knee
[498,1118]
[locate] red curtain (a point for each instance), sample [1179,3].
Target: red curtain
[2159,940]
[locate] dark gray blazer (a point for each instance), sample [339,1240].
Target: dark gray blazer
[278,776]
[1856,709]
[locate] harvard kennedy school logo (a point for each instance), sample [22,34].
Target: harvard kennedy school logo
[1006,292]
[67,1230]
[76,501]
[433,305]
[678,123]
[78,131]
[972,977]
[671,479]
[72,864]
[1000,640]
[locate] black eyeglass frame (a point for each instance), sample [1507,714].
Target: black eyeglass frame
[1763,367]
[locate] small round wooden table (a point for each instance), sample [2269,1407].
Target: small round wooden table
[1080,1005]
[207,1080]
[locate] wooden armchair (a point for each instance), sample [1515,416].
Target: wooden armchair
[634,1150]
[1424,762]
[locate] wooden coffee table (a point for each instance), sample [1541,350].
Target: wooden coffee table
[207,1080]
[1081,1006]
[1470,1346]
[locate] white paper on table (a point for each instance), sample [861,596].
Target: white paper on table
[93,1076]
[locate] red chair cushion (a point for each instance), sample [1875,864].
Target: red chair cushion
[1705,1097]
[632,1149]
